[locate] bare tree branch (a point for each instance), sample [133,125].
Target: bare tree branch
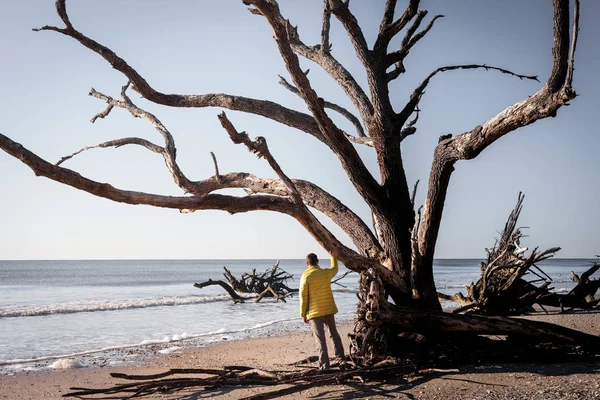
[347,114]
[102,114]
[264,108]
[375,71]
[408,42]
[342,12]
[387,29]
[231,204]
[260,148]
[351,162]
[409,128]
[169,152]
[388,14]
[304,216]
[117,143]
[217,175]
[325,60]
[560,50]
[417,94]
[414,192]
[413,28]
[313,196]
[61,9]
[69,177]
[325,45]
[317,197]
[575,34]
[407,46]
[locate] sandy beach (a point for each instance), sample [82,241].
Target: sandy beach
[503,381]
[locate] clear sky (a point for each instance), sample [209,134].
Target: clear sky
[201,46]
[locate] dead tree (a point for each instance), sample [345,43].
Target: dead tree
[503,288]
[234,295]
[274,277]
[395,254]
[271,283]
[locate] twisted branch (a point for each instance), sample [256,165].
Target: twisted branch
[116,143]
[417,94]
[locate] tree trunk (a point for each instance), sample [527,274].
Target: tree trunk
[440,323]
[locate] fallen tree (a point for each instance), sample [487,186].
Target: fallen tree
[271,283]
[503,288]
[255,282]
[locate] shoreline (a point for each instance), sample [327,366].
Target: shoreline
[138,354]
[579,380]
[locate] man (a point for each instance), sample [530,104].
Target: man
[317,305]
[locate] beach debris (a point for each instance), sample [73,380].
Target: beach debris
[503,288]
[242,376]
[271,283]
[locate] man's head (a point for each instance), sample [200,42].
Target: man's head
[312,259]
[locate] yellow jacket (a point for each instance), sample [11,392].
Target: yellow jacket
[316,298]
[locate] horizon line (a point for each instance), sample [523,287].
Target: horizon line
[241,259]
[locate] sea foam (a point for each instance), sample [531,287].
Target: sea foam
[66,363]
[69,308]
[166,339]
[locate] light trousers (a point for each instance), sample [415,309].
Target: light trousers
[318,325]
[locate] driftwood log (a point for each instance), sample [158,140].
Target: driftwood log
[271,283]
[234,295]
[503,289]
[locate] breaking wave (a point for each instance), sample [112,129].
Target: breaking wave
[106,305]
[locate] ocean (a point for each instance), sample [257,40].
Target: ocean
[78,313]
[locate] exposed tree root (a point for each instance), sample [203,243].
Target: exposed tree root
[503,289]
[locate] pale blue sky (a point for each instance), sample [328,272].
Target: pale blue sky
[217,46]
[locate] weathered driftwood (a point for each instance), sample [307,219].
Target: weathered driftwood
[271,283]
[236,297]
[275,278]
[503,289]
[240,376]
[269,291]
[586,288]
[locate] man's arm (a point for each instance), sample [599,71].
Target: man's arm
[303,298]
[334,262]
